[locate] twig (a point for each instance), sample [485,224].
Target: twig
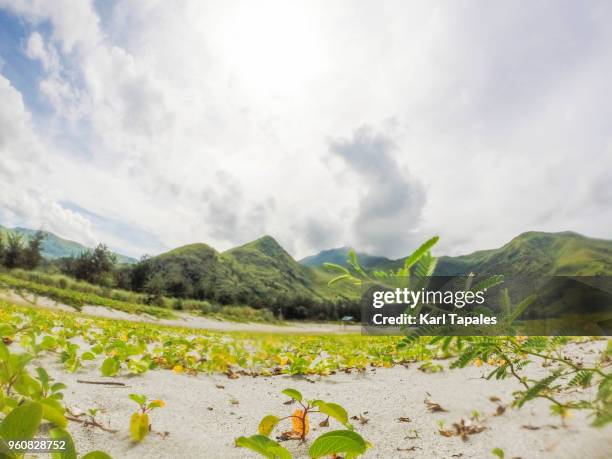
[103,383]
[90,422]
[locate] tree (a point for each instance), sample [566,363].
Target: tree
[2,250]
[13,251]
[31,256]
[95,267]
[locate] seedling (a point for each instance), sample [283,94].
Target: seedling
[139,423]
[344,441]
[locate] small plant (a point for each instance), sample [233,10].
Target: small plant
[29,405]
[344,441]
[139,423]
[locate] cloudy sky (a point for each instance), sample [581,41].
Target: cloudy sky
[151,124]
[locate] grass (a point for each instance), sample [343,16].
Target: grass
[77,294]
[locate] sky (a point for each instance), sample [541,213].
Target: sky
[152,124]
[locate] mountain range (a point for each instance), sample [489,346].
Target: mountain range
[533,252]
[263,269]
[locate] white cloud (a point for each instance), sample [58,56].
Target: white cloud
[211,121]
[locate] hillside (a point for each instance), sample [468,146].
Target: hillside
[54,247]
[339,257]
[564,253]
[259,273]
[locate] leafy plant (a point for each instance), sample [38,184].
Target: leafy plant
[28,402]
[345,441]
[139,422]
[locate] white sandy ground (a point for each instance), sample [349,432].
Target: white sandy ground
[203,419]
[183,319]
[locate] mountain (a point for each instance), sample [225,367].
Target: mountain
[56,247]
[258,273]
[565,253]
[533,252]
[339,257]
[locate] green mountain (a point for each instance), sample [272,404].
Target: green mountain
[258,273]
[339,257]
[564,253]
[54,247]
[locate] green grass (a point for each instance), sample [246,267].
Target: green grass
[78,293]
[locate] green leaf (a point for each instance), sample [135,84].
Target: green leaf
[51,413]
[267,424]
[337,268]
[339,278]
[264,446]
[418,253]
[499,453]
[110,367]
[70,451]
[138,398]
[4,352]
[58,386]
[426,265]
[139,426]
[294,394]
[97,455]
[338,441]
[22,423]
[333,410]
[43,376]
[88,356]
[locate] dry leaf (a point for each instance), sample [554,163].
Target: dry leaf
[464,428]
[495,399]
[501,409]
[434,407]
[404,419]
[300,422]
[219,386]
[324,422]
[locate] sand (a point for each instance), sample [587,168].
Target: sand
[205,413]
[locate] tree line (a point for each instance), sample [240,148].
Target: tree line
[100,267]
[17,253]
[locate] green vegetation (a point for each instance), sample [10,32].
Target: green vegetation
[139,422]
[564,253]
[78,294]
[339,257]
[14,253]
[345,441]
[542,254]
[261,274]
[31,404]
[509,354]
[119,347]
[54,247]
